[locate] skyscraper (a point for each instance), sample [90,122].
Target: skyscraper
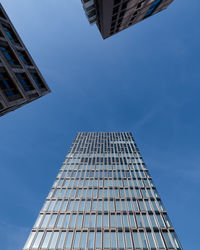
[103,198]
[113,16]
[20,80]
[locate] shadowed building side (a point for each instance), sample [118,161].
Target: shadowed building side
[20,80]
[113,16]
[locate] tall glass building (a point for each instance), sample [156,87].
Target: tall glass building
[103,198]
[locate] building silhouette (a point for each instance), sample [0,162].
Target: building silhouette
[103,198]
[20,80]
[113,16]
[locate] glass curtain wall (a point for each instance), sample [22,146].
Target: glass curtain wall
[103,198]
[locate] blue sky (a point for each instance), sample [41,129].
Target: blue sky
[144,80]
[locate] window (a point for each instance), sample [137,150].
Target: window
[152,219]
[60,220]
[125,218]
[167,220]
[86,220]
[66,221]
[29,241]
[145,220]
[79,221]
[83,240]
[69,240]
[121,240]
[45,220]
[128,240]
[52,221]
[46,240]
[99,240]
[92,220]
[38,80]
[10,34]
[37,240]
[119,220]
[132,221]
[9,56]
[91,240]
[38,221]
[8,87]
[113,239]
[143,240]
[106,240]
[151,240]
[54,240]
[77,239]
[136,240]
[99,220]
[61,240]
[139,220]
[24,57]
[175,240]
[72,221]
[27,86]
[106,220]
[159,240]
[167,240]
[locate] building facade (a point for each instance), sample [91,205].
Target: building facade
[20,80]
[113,16]
[103,198]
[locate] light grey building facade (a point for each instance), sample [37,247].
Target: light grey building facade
[103,198]
[113,16]
[20,80]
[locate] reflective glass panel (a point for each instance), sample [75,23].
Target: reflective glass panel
[106,240]
[61,240]
[46,240]
[37,240]
[77,239]
[98,240]
[91,240]
[69,240]
[54,240]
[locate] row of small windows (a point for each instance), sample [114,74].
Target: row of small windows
[102,240]
[136,183]
[105,155]
[126,7]
[104,174]
[108,205]
[104,146]
[9,88]
[113,136]
[132,166]
[105,160]
[103,220]
[103,192]
[11,58]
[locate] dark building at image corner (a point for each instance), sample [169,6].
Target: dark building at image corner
[20,80]
[113,16]
[103,198]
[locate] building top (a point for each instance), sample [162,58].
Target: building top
[113,16]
